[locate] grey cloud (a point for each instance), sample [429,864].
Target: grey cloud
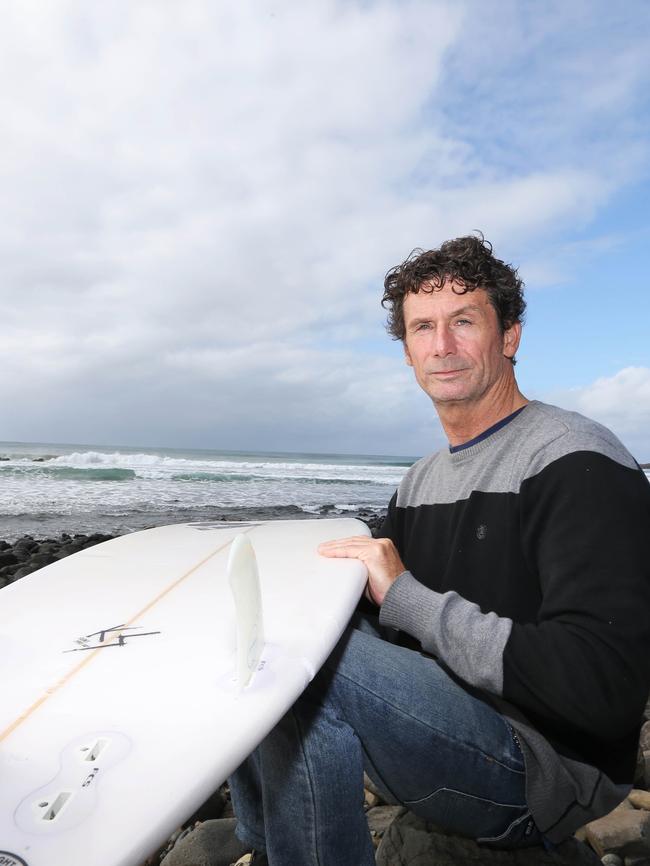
[198,203]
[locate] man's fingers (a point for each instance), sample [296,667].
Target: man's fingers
[379,556]
[344,546]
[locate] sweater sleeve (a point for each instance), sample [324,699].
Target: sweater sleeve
[585,530]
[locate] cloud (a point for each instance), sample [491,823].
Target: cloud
[621,402]
[198,201]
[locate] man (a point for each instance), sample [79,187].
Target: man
[515,567]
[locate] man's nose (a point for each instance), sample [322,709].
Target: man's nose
[444,343]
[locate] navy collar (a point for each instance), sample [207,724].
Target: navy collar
[484,435]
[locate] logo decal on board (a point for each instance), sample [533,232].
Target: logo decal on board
[116,635]
[9,859]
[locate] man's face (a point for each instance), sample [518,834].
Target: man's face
[455,345]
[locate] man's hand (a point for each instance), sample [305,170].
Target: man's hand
[379,555]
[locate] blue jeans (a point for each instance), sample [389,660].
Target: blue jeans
[425,741]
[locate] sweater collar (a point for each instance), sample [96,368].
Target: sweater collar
[454,449]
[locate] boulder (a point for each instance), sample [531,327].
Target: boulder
[23,571]
[24,546]
[646,769]
[639,799]
[39,560]
[410,841]
[68,549]
[379,819]
[213,806]
[612,860]
[644,738]
[7,559]
[625,832]
[212,843]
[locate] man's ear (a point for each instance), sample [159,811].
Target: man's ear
[407,355]
[511,338]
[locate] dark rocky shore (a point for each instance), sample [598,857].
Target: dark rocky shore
[620,839]
[27,554]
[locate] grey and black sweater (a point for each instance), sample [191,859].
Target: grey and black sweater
[528,558]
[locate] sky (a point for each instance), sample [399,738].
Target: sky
[199,201]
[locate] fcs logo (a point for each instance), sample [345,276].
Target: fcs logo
[9,859]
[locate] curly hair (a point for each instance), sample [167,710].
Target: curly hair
[469,262]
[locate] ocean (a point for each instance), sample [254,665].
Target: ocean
[46,489]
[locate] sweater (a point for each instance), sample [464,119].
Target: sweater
[528,578]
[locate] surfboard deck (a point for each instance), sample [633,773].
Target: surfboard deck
[121,710]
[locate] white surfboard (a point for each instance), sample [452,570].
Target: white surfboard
[126,700]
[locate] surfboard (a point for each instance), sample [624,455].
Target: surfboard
[126,697]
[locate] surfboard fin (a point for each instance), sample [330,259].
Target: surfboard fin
[244,580]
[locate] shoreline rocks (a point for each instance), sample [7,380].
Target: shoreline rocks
[27,554]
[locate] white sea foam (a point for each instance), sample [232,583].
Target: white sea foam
[110,489]
[160,466]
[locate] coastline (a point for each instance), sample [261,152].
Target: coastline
[26,554]
[49,489]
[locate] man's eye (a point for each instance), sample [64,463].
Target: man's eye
[463,322]
[423,326]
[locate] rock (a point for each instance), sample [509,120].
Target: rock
[370,800]
[379,819]
[410,841]
[646,769]
[644,738]
[639,770]
[97,538]
[8,559]
[23,571]
[212,843]
[39,560]
[212,808]
[24,546]
[373,521]
[640,799]
[625,832]
[647,709]
[611,860]
[67,549]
